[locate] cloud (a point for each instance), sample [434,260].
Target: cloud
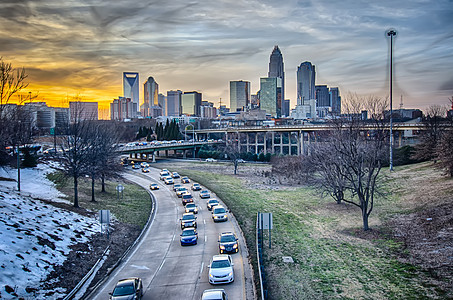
[202,45]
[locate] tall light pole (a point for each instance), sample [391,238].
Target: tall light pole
[391,33]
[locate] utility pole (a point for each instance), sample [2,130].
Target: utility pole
[391,33]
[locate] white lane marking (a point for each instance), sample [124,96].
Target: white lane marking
[201,270]
[204,221]
[205,238]
[161,265]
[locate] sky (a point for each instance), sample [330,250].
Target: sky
[79,49]
[29,229]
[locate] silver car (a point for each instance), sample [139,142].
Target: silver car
[214,294]
[221,269]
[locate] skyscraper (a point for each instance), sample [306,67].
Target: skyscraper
[271,96]
[239,95]
[190,104]
[277,69]
[323,105]
[150,96]
[335,100]
[173,103]
[130,87]
[305,82]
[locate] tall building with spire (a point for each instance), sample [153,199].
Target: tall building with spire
[277,68]
[131,88]
[305,82]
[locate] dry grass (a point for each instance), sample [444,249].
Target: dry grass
[333,257]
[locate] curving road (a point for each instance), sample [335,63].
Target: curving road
[169,270]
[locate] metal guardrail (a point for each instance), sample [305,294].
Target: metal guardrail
[259,256]
[85,278]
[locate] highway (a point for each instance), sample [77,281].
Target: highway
[169,270]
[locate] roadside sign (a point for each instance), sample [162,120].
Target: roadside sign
[266,221]
[119,188]
[104,216]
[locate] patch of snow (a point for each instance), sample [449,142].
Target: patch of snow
[33,183]
[35,236]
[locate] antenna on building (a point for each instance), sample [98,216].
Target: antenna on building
[401,102]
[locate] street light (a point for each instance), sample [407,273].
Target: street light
[391,33]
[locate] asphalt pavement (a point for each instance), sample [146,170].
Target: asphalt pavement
[169,270]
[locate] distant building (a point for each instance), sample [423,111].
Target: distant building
[190,104]
[162,102]
[323,105]
[207,110]
[173,103]
[306,111]
[150,96]
[335,100]
[305,82]
[155,111]
[61,119]
[131,87]
[239,95]
[285,108]
[83,111]
[277,68]
[123,108]
[270,95]
[254,101]
[223,110]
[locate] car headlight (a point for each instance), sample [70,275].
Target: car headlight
[230,274]
[235,246]
[211,276]
[222,247]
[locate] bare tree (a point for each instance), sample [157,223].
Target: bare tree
[12,81]
[232,151]
[75,148]
[431,133]
[101,155]
[351,157]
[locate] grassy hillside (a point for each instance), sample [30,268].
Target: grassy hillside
[333,257]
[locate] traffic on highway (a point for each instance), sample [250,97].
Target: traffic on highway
[192,249]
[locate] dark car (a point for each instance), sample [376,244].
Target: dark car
[187,198]
[189,236]
[228,243]
[176,186]
[185,179]
[188,220]
[205,194]
[196,187]
[130,288]
[175,175]
[211,203]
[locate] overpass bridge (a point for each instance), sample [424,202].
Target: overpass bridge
[143,152]
[283,139]
[293,139]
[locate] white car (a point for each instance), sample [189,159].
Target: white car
[211,159]
[219,213]
[164,171]
[221,269]
[168,180]
[214,294]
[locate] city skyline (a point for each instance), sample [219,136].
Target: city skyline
[81,50]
